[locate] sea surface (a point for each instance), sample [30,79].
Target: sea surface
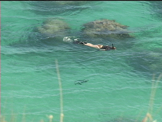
[119,82]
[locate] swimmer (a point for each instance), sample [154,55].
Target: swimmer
[101,47]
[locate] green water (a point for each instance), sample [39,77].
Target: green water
[119,82]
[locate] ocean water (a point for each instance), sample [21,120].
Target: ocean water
[119,81]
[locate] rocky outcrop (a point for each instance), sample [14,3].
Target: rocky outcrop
[105,28]
[54,28]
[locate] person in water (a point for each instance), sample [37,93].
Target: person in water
[101,47]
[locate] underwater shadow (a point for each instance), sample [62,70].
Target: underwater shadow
[57,7]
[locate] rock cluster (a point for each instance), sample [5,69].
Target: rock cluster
[54,27]
[105,28]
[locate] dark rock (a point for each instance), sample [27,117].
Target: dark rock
[54,28]
[105,28]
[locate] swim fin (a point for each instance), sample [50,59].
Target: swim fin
[80,42]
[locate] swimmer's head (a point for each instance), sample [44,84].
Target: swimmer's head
[113,48]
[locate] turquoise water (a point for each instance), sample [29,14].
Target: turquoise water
[119,82]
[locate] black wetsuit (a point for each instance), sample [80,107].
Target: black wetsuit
[106,47]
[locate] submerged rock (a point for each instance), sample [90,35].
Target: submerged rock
[57,7]
[155,61]
[156,8]
[148,62]
[105,28]
[54,28]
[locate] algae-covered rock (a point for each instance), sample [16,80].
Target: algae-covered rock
[105,28]
[54,28]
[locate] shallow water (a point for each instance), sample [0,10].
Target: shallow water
[119,82]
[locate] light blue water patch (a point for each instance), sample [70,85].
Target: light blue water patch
[118,81]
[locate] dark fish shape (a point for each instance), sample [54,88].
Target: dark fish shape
[80,82]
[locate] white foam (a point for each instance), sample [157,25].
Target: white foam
[67,39]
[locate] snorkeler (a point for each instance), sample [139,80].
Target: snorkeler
[101,47]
